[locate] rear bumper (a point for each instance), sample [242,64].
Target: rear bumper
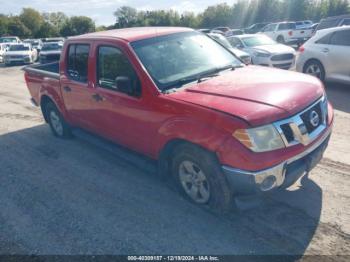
[282,175]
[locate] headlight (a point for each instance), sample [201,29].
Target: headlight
[262,54]
[260,139]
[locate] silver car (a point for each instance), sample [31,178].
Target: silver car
[327,55]
[246,58]
[265,51]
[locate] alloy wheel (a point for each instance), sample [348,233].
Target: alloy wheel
[194,182]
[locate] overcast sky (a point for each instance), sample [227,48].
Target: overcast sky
[102,10]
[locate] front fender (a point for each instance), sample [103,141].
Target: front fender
[207,136]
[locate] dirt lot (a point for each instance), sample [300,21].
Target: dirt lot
[71,197]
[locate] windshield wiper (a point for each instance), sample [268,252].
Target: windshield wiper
[198,78]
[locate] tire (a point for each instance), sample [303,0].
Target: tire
[58,125]
[199,178]
[280,39]
[315,68]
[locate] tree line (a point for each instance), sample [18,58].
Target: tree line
[241,14]
[33,24]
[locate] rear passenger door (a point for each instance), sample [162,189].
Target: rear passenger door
[76,85]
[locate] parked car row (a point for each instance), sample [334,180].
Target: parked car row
[258,49]
[13,50]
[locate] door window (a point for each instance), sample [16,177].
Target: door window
[346,22]
[235,42]
[270,28]
[341,38]
[115,72]
[325,40]
[78,57]
[286,26]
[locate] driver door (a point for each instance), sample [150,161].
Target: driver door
[121,110]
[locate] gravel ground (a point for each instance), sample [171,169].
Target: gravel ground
[72,197]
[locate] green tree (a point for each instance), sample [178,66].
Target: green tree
[125,16]
[32,19]
[56,19]
[17,28]
[217,15]
[77,25]
[47,30]
[3,24]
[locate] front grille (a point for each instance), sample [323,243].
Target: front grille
[306,117]
[282,57]
[288,132]
[283,66]
[16,56]
[306,126]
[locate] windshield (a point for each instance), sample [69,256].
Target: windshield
[257,41]
[8,40]
[51,47]
[172,58]
[19,48]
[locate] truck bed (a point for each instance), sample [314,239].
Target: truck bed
[48,70]
[37,75]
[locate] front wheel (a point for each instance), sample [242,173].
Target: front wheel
[198,176]
[58,125]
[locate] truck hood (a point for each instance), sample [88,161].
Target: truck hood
[274,49]
[258,95]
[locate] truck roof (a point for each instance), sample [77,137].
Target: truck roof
[134,33]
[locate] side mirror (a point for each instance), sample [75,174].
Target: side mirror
[239,46]
[124,85]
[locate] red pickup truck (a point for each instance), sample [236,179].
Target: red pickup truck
[217,127]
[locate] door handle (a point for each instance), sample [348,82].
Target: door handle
[325,50]
[67,89]
[98,98]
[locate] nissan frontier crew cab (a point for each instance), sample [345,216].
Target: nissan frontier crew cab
[218,128]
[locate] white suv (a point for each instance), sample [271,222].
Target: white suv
[286,33]
[327,55]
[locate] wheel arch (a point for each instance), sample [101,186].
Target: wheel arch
[166,153]
[44,100]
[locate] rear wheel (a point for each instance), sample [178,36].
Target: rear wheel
[280,39]
[315,68]
[198,176]
[57,124]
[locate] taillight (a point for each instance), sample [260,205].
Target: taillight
[301,49]
[290,33]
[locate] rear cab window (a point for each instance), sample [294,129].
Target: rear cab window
[286,26]
[77,64]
